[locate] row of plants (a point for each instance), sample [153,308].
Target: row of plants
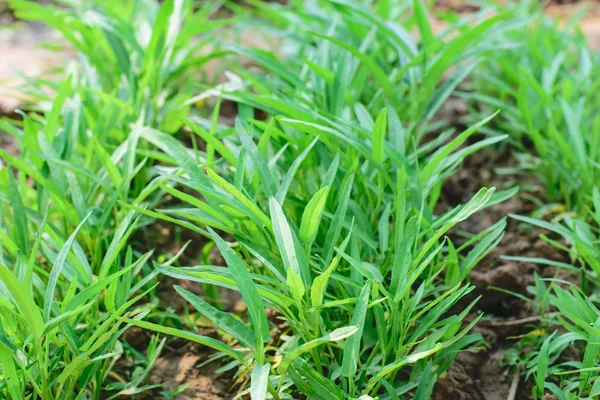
[546,91]
[334,228]
[325,211]
[71,271]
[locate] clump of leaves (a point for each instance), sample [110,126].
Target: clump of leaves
[546,90]
[68,277]
[138,60]
[331,225]
[59,325]
[576,311]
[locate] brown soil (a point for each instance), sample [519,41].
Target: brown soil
[181,363]
[180,366]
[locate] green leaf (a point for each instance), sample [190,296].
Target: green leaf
[411,359]
[176,150]
[239,196]
[542,366]
[336,224]
[590,357]
[368,270]
[285,241]
[52,120]
[423,23]
[192,337]
[10,373]
[20,217]
[287,179]
[213,141]
[313,383]
[311,217]
[108,164]
[334,336]
[352,347]
[118,242]
[379,132]
[247,288]
[23,300]
[222,320]
[260,380]
[595,390]
[60,319]
[445,151]
[259,161]
[59,263]
[319,286]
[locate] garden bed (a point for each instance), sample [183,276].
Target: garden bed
[352,239]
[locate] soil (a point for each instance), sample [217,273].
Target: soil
[21,50]
[181,367]
[181,363]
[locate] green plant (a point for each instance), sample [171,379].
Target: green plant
[137,59]
[300,266]
[336,231]
[565,378]
[68,274]
[74,172]
[546,90]
[327,210]
[576,311]
[66,266]
[56,340]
